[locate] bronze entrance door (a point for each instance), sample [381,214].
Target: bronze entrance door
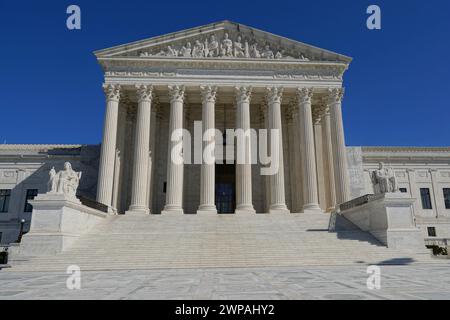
[225,188]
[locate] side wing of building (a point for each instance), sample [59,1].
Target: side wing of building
[422,172]
[24,173]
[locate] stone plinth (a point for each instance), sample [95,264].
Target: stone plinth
[389,218]
[57,221]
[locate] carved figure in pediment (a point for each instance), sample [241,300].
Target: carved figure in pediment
[267,53]
[246,50]
[171,52]
[213,47]
[227,46]
[186,51]
[254,52]
[239,51]
[302,57]
[198,50]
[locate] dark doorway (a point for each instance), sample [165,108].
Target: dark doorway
[225,188]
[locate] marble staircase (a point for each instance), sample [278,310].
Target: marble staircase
[133,242]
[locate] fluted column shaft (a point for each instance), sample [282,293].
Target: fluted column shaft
[266,179]
[108,149]
[298,160]
[151,160]
[309,173]
[244,202]
[328,155]
[139,202]
[208,170]
[174,195]
[338,143]
[277,189]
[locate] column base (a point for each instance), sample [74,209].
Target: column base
[207,209]
[279,208]
[330,209]
[312,208]
[244,208]
[172,209]
[111,210]
[138,210]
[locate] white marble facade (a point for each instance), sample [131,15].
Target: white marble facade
[229,76]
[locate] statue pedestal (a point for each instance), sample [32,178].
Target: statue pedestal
[57,221]
[389,218]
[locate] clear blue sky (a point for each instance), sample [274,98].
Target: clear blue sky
[398,86]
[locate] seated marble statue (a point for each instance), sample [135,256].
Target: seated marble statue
[384,180]
[65,181]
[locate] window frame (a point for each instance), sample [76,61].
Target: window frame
[27,206]
[6,201]
[446,201]
[426,205]
[431,234]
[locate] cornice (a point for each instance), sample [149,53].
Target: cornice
[405,149]
[37,147]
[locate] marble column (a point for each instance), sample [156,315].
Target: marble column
[152,156]
[208,170]
[309,173]
[175,161]
[244,202]
[341,179]
[320,168]
[108,149]
[264,125]
[297,157]
[328,160]
[139,203]
[291,141]
[277,188]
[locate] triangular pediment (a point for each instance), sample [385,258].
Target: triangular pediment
[223,40]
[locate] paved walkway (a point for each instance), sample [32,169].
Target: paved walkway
[349,282]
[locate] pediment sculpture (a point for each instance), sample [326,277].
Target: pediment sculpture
[65,181]
[384,180]
[213,47]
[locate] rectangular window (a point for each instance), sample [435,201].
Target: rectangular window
[31,193]
[426,198]
[403,190]
[447,198]
[5,196]
[431,231]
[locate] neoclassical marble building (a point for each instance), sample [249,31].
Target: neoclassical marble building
[228,76]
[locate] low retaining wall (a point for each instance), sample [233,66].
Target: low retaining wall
[57,222]
[388,217]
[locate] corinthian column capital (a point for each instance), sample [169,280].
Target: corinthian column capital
[335,95]
[209,93]
[144,92]
[112,92]
[274,94]
[243,94]
[304,95]
[176,93]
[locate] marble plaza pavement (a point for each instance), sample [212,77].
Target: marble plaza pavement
[339,282]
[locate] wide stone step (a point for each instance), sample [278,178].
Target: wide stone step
[153,242]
